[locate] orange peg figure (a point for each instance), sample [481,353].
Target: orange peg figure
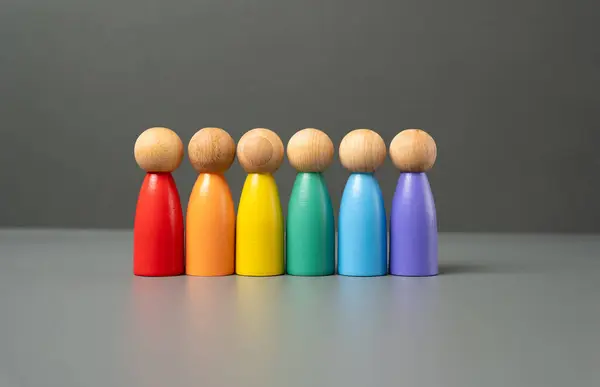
[210,220]
[158,226]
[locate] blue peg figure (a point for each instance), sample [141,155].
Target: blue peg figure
[362,225]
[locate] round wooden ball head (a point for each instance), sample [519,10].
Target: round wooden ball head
[413,150]
[310,150]
[158,150]
[211,150]
[260,151]
[362,150]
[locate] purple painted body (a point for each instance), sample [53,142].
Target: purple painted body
[413,228]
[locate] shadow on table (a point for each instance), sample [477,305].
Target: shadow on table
[480,268]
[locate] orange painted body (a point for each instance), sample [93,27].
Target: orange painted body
[210,228]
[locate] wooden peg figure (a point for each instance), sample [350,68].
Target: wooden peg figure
[413,225]
[259,226]
[158,226]
[210,220]
[362,228]
[310,243]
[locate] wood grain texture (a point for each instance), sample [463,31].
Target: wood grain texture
[158,150]
[362,150]
[413,150]
[211,150]
[310,150]
[260,151]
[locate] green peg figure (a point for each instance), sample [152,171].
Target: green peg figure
[310,231]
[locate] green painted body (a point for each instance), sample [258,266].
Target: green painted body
[310,239]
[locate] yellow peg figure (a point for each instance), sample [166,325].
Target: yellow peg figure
[259,226]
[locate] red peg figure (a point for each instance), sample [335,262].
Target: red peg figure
[158,227]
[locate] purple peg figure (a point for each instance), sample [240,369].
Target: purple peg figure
[413,221]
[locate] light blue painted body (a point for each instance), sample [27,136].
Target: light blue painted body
[362,228]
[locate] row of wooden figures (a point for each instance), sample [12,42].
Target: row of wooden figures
[215,242]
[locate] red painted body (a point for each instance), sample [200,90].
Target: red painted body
[158,228]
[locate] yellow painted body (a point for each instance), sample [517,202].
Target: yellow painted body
[259,228]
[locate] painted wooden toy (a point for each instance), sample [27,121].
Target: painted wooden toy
[413,226]
[362,227]
[259,227]
[210,218]
[158,226]
[310,231]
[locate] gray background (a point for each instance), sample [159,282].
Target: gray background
[508,88]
